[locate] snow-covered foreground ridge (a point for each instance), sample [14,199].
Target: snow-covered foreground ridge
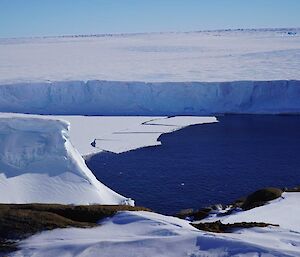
[39,164]
[135,234]
[141,98]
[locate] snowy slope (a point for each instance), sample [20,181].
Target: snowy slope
[135,234]
[284,211]
[196,56]
[39,164]
[140,98]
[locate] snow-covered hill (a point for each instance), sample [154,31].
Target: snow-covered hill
[140,98]
[135,234]
[235,55]
[39,164]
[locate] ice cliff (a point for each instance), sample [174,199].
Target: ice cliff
[39,164]
[141,98]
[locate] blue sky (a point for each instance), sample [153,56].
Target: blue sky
[20,18]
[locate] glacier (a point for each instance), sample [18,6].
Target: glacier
[38,164]
[193,73]
[96,97]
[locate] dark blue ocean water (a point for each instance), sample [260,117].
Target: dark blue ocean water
[207,164]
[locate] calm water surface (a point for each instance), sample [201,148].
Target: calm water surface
[207,164]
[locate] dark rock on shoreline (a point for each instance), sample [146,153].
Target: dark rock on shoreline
[256,199]
[260,198]
[194,214]
[18,221]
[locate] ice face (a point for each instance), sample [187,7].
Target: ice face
[140,98]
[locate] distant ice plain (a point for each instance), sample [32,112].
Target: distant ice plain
[208,56]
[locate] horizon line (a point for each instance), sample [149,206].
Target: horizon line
[153,32]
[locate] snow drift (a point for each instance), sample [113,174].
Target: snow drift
[141,98]
[135,234]
[39,164]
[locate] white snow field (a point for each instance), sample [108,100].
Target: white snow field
[266,54]
[135,234]
[38,164]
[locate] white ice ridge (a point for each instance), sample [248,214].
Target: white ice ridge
[272,54]
[117,134]
[135,234]
[159,99]
[39,164]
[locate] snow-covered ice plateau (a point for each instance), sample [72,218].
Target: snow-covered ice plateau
[262,54]
[250,71]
